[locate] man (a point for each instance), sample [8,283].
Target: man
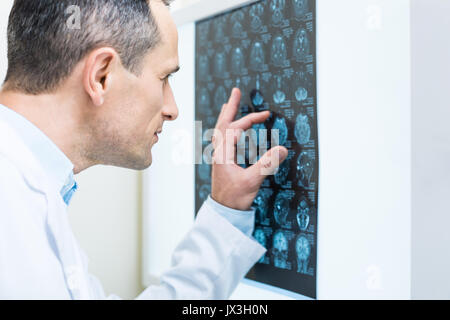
[75,97]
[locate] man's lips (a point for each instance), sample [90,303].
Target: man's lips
[158,132]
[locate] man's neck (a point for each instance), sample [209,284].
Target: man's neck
[57,117]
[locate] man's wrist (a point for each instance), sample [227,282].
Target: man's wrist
[225,207]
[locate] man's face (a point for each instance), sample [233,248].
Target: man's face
[136,107]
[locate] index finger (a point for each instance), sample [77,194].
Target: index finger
[230,109]
[248,121]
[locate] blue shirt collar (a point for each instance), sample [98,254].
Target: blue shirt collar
[54,162]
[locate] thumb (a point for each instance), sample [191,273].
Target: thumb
[268,164]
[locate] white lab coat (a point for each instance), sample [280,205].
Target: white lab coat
[41,259]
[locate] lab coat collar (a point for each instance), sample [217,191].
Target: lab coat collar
[55,163]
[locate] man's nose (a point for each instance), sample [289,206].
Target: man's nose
[170,109]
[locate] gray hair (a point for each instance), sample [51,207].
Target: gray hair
[47,38]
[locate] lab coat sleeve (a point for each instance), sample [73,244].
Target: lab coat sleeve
[243,220]
[210,260]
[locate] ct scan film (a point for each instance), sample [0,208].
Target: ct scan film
[268,50]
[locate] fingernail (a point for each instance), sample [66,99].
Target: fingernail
[282,153]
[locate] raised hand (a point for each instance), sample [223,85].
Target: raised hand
[232,185]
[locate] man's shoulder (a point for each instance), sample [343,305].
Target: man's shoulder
[13,180]
[19,201]
[9,172]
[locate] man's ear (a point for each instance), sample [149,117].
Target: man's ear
[97,73]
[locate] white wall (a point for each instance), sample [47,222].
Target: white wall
[179,4]
[106,217]
[364,104]
[168,184]
[431,149]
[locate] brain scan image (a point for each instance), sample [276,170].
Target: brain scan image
[203,67]
[237,30]
[257,58]
[203,32]
[237,61]
[220,97]
[204,101]
[280,249]
[277,10]
[209,122]
[219,29]
[279,96]
[303,250]
[204,192]
[281,208]
[204,171]
[280,125]
[256,95]
[238,83]
[303,215]
[305,169]
[260,236]
[258,127]
[261,204]
[301,8]
[282,173]
[256,13]
[302,129]
[301,86]
[220,66]
[278,51]
[301,46]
